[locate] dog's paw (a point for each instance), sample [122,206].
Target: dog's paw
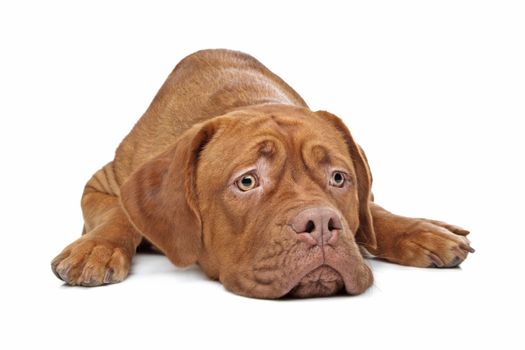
[91,262]
[434,244]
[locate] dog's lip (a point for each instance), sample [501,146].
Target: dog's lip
[350,274]
[357,276]
[334,282]
[322,277]
[305,271]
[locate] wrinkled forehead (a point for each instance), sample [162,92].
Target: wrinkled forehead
[301,139]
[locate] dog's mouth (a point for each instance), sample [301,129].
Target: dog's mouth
[303,271]
[322,281]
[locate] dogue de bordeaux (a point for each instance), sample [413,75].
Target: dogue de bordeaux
[230,169]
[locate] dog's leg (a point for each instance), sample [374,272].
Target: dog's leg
[418,242]
[103,254]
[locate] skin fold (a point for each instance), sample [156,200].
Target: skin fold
[229,169]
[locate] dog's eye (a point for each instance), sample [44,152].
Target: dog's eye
[338,179]
[247,182]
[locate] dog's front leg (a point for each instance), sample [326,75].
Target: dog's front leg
[103,254]
[418,242]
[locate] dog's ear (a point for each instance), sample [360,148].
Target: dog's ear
[365,234]
[159,198]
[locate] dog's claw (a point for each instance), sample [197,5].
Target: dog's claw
[436,261]
[108,277]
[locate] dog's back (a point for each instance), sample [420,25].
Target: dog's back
[203,85]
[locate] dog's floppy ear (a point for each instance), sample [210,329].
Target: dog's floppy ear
[159,198]
[365,234]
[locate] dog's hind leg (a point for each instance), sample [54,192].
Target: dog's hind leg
[103,253]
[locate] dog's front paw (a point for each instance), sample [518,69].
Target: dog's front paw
[91,262]
[432,244]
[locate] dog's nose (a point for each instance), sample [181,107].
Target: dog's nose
[317,226]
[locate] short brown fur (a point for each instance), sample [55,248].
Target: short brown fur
[174,181]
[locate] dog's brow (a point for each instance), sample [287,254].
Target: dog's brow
[287,124]
[264,145]
[266,148]
[320,153]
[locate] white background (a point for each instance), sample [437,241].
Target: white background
[433,91]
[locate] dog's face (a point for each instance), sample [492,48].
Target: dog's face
[270,201]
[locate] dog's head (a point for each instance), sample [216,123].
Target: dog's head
[272,201]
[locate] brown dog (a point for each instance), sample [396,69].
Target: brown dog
[230,169]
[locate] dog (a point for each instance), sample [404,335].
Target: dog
[229,169]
